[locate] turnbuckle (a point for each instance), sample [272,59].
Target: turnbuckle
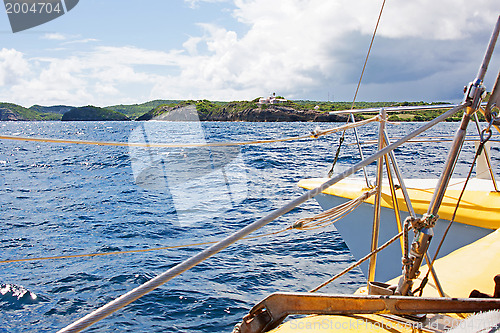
[474,93]
[487,132]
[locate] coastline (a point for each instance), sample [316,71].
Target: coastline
[247,111]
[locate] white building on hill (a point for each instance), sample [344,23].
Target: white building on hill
[271,100]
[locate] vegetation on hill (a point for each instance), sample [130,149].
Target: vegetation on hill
[211,109]
[61,109]
[208,110]
[161,109]
[205,110]
[208,107]
[134,111]
[93,113]
[22,113]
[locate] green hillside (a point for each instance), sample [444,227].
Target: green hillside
[207,110]
[61,109]
[22,113]
[93,113]
[134,111]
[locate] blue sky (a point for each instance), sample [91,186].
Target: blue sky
[106,52]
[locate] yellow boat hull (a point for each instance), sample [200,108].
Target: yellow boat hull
[355,228]
[480,205]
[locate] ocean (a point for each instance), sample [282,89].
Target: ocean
[67,199]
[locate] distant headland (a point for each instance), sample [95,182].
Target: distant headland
[271,109]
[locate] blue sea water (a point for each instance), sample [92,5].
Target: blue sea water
[66,199]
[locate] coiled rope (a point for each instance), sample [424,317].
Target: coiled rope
[332,215]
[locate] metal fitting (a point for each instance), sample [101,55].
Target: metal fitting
[474,93]
[426,221]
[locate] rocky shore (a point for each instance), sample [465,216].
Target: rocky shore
[269,113]
[8,115]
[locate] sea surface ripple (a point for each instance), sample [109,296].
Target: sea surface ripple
[66,199]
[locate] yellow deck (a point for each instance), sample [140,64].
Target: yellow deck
[355,323]
[479,206]
[470,267]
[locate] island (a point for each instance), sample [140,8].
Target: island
[237,111]
[271,109]
[93,113]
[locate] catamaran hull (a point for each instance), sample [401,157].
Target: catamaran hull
[356,229]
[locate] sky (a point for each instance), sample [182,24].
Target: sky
[107,52]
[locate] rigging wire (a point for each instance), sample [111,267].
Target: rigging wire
[315,134]
[483,141]
[359,262]
[430,139]
[368,55]
[342,138]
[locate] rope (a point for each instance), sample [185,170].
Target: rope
[341,141]
[331,215]
[315,134]
[406,246]
[212,250]
[427,139]
[103,253]
[87,255]
[342,138]
[368,54]
[318,221]
[422,285]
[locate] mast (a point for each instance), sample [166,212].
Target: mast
[474,94]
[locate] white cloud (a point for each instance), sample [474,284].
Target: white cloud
[54,36]
[82,41]
[441,20]
[297,48]
[191,45]
[69,39]
[57,81]
[196,3]
[13,66]
[304,48]
[133,56]
[94,77]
